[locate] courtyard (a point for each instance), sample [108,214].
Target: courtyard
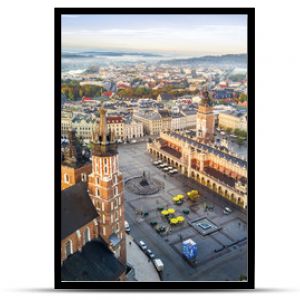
[221,239]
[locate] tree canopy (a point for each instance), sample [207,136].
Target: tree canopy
[74,91]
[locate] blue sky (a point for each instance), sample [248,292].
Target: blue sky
[177,34]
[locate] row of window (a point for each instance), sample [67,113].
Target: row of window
[69,244]
[67,177]
[97,179]
[114,217]
[87,237]
[115,191]
[87,129]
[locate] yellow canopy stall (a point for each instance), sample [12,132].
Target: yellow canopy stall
[164,212]
[178,197]
[171,210]
[173,221]
[180,219]
[193,194]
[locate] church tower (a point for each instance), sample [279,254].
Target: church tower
[75,167]
[105,187]
[205,126]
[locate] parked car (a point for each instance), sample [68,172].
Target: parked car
[142,245]
[133,141]
[165,169]
[158,264]
[172,172]
[127,227]
[163,165]
[227,211]
[150,254]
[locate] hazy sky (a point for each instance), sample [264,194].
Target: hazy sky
[180,34]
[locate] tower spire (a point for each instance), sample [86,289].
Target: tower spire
[102,125]
[104,141]
[73,152]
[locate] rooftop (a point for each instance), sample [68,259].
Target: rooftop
[204,147]
[189,112]
[165,96]
[164,113]
[220,176]
[94,263]
[114,119]
[77,209]
[150,115]
[235,113]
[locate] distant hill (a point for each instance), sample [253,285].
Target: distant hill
[228,59]
[95,54]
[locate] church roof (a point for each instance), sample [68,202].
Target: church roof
[94,263]
[77,209]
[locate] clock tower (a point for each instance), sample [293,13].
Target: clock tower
[205,127]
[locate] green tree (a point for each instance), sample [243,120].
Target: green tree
[240,133]
[228,130]
[243,97]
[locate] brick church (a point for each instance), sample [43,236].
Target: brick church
[93,243]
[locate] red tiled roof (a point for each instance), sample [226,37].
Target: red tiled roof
[115,119]
[86,98]
[108,93]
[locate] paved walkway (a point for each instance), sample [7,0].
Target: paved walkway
[144,269]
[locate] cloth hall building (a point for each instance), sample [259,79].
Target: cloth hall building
[199,159]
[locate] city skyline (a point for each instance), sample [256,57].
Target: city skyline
[169,34]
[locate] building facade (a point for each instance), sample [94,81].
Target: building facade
[166,118]
[151,120]
[190,119]
[219,171]
[75,241]
[133,130]
[84,126]
[178,122]
[116,124]
[233,120]
[66,122]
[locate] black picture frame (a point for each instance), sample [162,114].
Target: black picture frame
[163,285]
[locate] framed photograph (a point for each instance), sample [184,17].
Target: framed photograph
[154,148]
